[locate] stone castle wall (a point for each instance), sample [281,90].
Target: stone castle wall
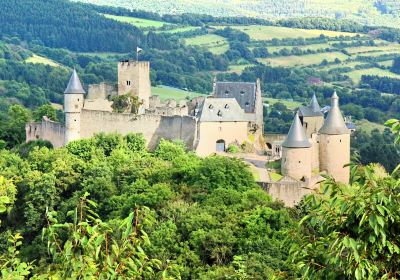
[153,127]
[46,130]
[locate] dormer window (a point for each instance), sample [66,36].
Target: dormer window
[226,92]
[241,92]
[247,104]
[226,106]
[219,114]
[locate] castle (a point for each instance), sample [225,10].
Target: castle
[231,115]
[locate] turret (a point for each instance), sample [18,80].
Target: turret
[311,117]
[296,153]
[334,146]
[73,104]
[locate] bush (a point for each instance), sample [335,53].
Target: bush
[233,149]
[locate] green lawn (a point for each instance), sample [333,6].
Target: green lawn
[257,32]
[275,177]
[214,43]
[36,59]
[289,104]
[239,68]
[314,47]
[303,60]
[180,29]
[356,74]
[387,63]
[173,93]
[138,22]
[367,49]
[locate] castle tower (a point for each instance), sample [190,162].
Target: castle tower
[296,153]
[73,104]
[334,146]
[134,78]
[311,117]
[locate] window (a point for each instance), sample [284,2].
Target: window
[128,83]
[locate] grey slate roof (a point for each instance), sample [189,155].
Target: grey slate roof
[222,110]
[74,85]
[334,123]
[244,93]
[312,110]
[296,137]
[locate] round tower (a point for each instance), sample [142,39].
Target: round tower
[334,144]
[296,153]
[73,104]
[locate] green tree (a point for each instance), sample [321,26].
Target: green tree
[351,231]
[45,110]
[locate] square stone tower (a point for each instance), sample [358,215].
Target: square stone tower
[134,78]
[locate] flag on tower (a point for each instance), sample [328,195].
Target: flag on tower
[138,50]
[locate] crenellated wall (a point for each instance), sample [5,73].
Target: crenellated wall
[153,127]
[46,130]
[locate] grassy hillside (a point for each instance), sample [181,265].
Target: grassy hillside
[363,11]
[257,32]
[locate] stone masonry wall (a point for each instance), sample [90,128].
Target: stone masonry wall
[153,127]
[46,130]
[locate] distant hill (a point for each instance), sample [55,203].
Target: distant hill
[367,12]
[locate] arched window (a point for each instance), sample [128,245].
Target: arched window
[220,145]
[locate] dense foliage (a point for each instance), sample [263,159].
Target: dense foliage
[208,217]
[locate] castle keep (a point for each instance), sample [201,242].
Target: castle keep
[233,114]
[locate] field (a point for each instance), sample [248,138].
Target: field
[138,22]
[214,43]
[356,74]
[289,104]
[36,59]
[172,93]
[263,33]
[314,47]
[180,29]
[367,49]
[303,60]
[239,68]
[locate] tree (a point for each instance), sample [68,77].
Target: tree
[45,110]
[351,231]
[13,128]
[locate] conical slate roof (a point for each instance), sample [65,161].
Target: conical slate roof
[74,85]
[334,123]
[296,137]
[312,110]
[314,104]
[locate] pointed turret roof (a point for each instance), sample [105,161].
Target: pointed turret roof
[74,85]
[296,137]
[312,110]
[334,123]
